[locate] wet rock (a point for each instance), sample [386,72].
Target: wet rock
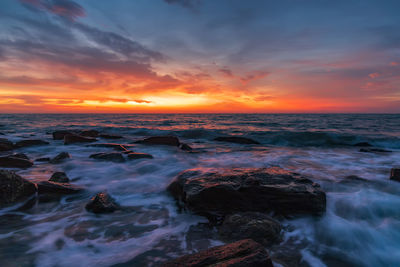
[185,147]
[216,192]
[13,187]
[241,253]
[257,226]
[139,156]
[374,150]
[30,142]
[89,133]
[395,174]
[113,156]
[74,138]
[160,140]
[21,156]
[15,162]
[236,139]
[6,145]
[60,158]
[364,144]
[59,135]
[117,147]
[353,179]
[59,177]
[47,187]
[42,159]
[110,136]
[102,203]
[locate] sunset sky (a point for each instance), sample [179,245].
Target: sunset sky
[199,56]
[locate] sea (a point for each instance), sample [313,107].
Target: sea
[361,225]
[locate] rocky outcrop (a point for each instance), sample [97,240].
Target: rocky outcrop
[134,155]
[59,177]
[13,161]
[30,142]
[242,253]
[236,139]
[216,192]
[395,174]
[60,158]
[13,187]
[257,226]
[6,145]
[113,156]
[47,187]
[74,138]
[102,203]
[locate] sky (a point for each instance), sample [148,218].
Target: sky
[156,56]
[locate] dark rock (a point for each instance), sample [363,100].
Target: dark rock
[59,177]
[139,156]
[30,142]
[224,191]
[117,147]
[364,144]
[13,187]
[395,174]
[257,226]
[114,157]
[242,253]
[236,139]
[59,135]
[89,133]
[110,136]
[21,156]
[42,159]
[60,158]
[374,150]
[15,162]
[102,203]
[160,140]
[74,138]
[6,145]
[47,187]
[185,147]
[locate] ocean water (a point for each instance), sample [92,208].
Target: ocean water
[361,226]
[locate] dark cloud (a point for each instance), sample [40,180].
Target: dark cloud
[226,72]
[64,8]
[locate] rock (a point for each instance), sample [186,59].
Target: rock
[185,147]
[216,192]
[89,133]
[374,150]
[117,147]
[395,174]
[6,145]
[74,138]
[364,144]
[236,139]
[21,156]
[59,177]
[139,156]
[110,136]
[257,226]
[113,156]
[351,179]
[13,187]
[47,187]
[60,158]
[42,159]
[160,140]
[239,254]
[102,203]
[15,162]
[59,135]
[30,142]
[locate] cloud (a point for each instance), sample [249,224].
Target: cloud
[226,72]
[63,8]
[374,75]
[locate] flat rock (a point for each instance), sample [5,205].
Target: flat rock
[160,140]
[113,156]
[102,203]
[242,253]
[216,192]
[30,142]
[60,158]
[257,226]
[15,162]
[74,138]
[47,187]
[236,139]
[89,133]
[134,155]
[59,177]
[14,188]
[395,174]
[110,136]
[6,145]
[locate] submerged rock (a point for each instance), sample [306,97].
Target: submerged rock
[139,156]
[42,159]
[241,253]
[48,187]
[113,156]
[217,192]
[110,136]
[160,140]
[30,142]
[21,156]
[117,147]
[6,145]
[257,226]
[185,147]
[374,150]
[102,203]
[395,174]
[59,177]
[74,138]
[13,187]
[13,161]
[236,139]
[89,133]
[60,158]
[364,144]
